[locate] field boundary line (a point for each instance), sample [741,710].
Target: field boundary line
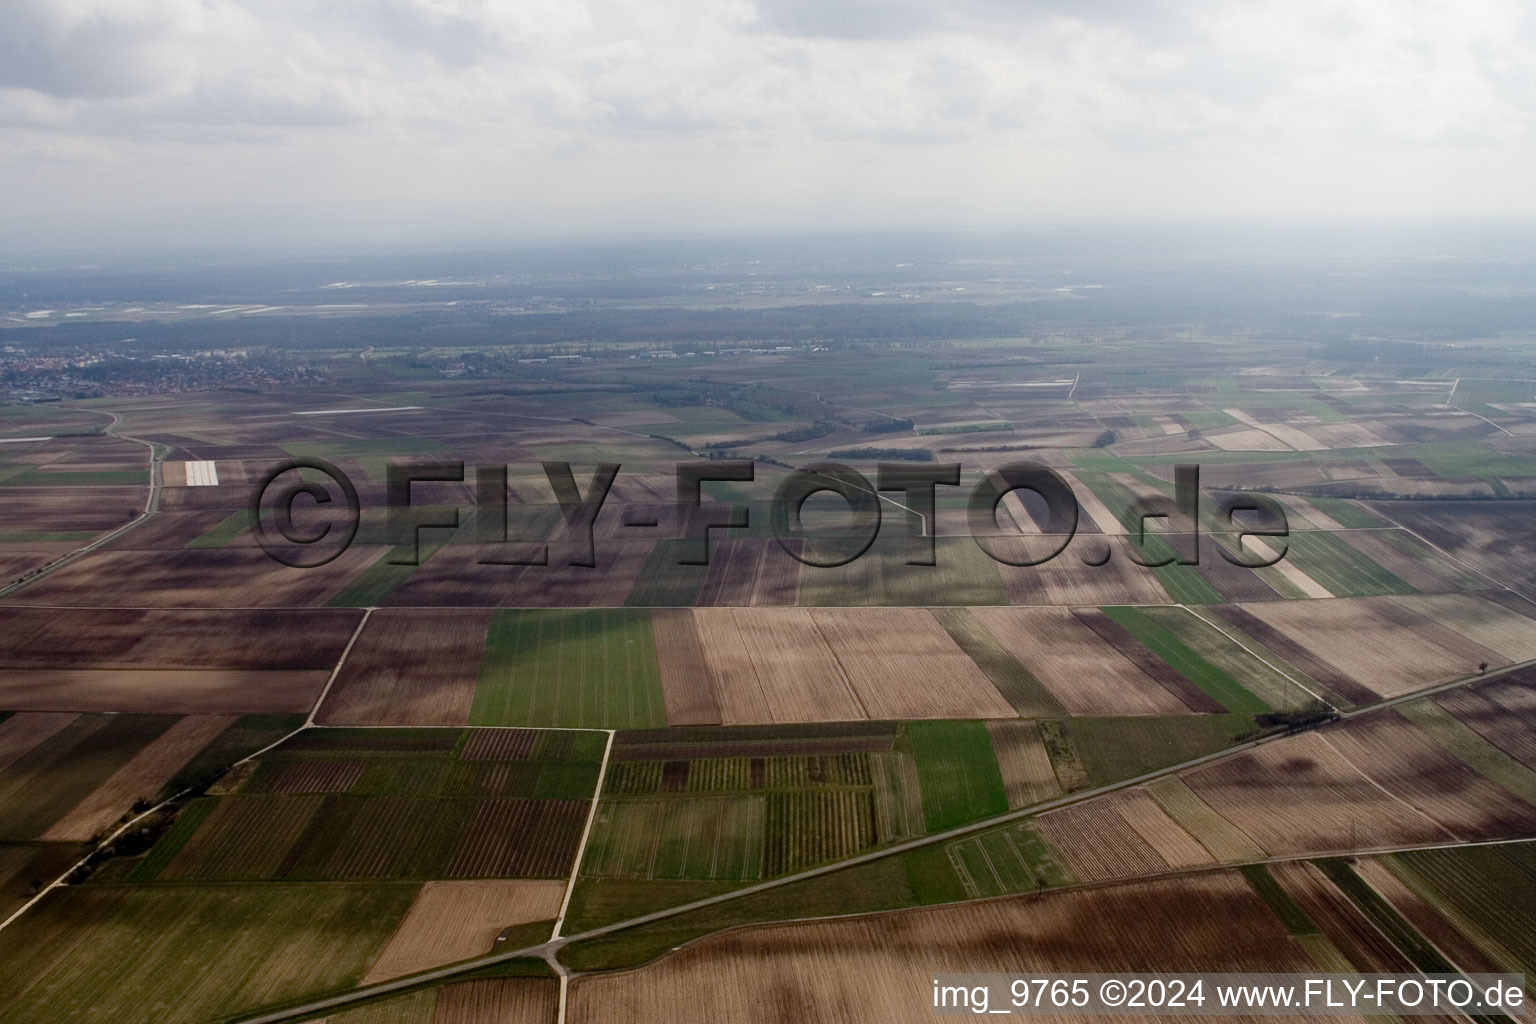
[1459,561]
[341,662]
[1257,655]
[581,850]
[1387,792]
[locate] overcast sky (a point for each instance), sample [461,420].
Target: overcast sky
[307,119]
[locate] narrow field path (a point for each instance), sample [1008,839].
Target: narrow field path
[151,506]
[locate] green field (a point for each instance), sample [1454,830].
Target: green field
[212,950]
[1343,570]
[1269,679]
[371,586]
[1286,909]
[1123,748]
[222,532]
[1011,859]
[570,668]
[1387,920]
[958,772]
[1489,891]
[1216,681]
[44,783]
[706,839]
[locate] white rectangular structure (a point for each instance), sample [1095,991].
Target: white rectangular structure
[202,474]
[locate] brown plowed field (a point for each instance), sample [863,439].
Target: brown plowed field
[1174,845]
[903,665]
[750,571]
[213,691]
[773,665]
[70,509]
[1028,777]
[1407,617]
[1505,630]
[410,668]
[1509,732]
[1396,753]
[231,577]
[740,692]
[1300,796]
[98,638]
[1347,633]
[687,690]
[1515,691]
[1088,676]
[142,777]
[457,920]
[1097,843]
[1297,653]
[879,969]
[27,729]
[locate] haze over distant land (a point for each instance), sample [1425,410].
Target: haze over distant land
[207,121]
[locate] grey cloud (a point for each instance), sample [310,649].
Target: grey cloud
[46,49]
[901,19]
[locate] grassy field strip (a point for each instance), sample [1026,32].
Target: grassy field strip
[222,532]
[579,668]
[581,849]
[1217,627]
[1463,742]
[1215,681]
[1345,571]
[1289,571]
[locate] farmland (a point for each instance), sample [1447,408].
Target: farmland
[370,768]
[498,804]
[590,669]
[269,943]
[897,952]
